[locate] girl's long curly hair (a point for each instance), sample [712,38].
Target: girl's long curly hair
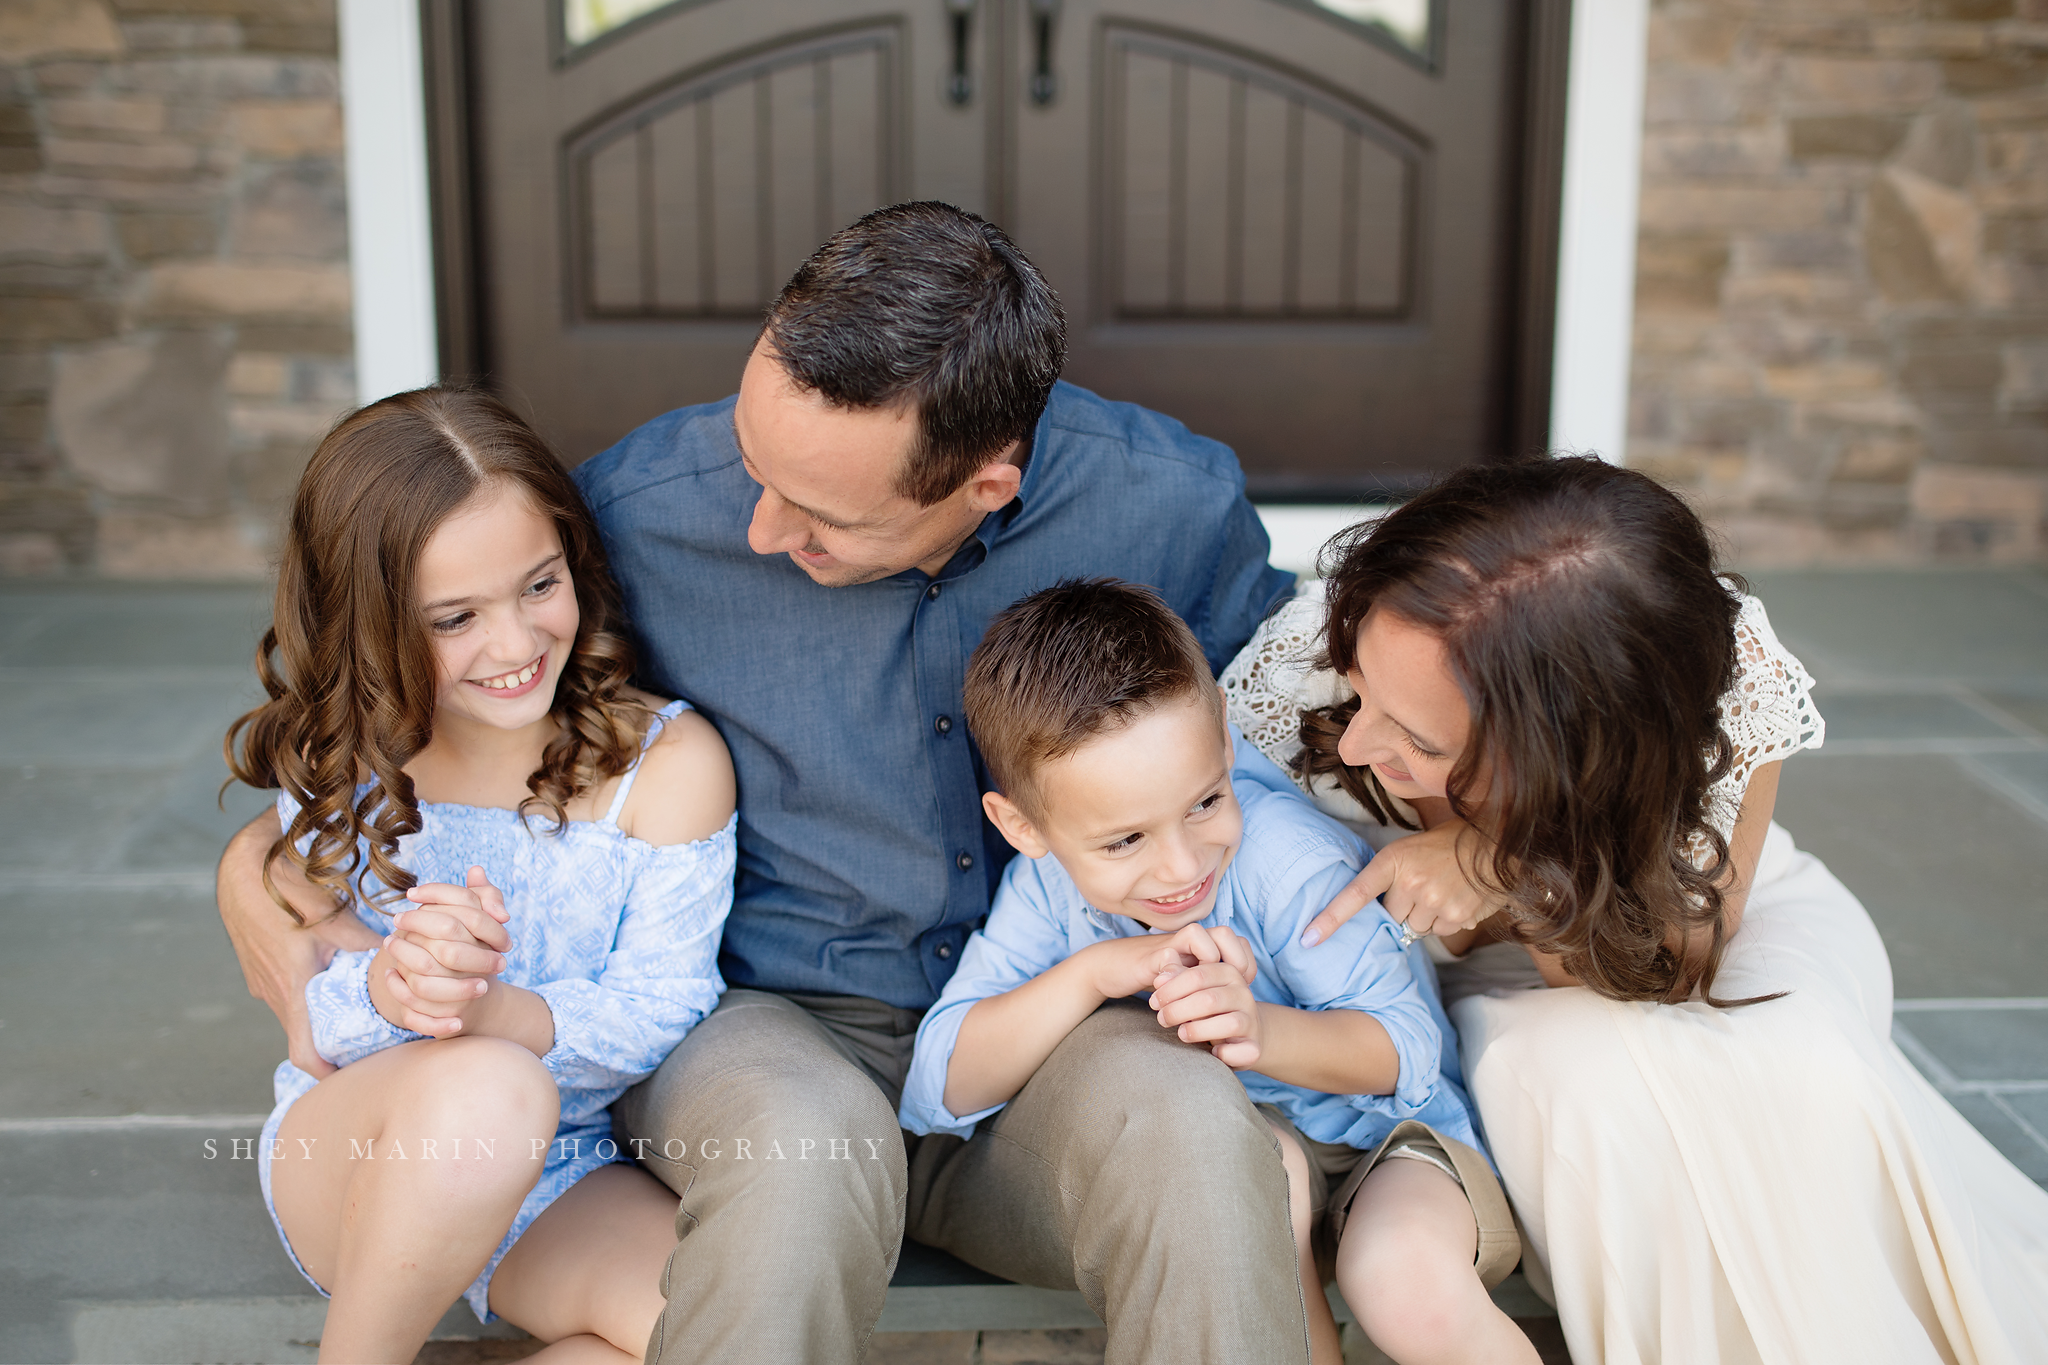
[348,661]
[1583,618]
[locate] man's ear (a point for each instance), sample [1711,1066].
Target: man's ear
[1015,825]
[995,484]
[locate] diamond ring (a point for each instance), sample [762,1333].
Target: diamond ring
[1408,935]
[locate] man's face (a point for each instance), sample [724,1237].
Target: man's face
[828,483]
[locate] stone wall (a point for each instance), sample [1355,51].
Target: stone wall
[174,295]
[1841,340]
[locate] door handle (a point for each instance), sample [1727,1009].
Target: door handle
[960,82]
[1044,85]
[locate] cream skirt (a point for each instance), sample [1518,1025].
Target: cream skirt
[1773,1183]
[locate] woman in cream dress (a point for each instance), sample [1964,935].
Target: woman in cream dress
[1714,1182]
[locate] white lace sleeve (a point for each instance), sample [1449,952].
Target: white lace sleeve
[1274,678]
[1767,715]
[1263,685]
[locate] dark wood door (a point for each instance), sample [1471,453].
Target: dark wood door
[1300,226]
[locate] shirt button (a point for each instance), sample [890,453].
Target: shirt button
[932,591]
[965,862]
[944,950]
[944,725]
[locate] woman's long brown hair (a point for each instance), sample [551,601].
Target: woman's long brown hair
[348,661]
[1582,616]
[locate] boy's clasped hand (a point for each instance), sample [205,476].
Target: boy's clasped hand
[1202,989]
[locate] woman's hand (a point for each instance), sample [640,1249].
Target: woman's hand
[442,955]
[1421,880]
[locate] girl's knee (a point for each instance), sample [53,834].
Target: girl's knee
[488,1086]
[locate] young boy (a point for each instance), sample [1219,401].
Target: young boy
[1147,869]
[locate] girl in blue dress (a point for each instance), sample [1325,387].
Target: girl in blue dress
[547,855]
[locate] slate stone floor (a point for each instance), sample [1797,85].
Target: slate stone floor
[131,1056]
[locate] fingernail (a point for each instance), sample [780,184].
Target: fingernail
[1311,936]
[482,986]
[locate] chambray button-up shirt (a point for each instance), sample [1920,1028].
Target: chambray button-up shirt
[864,858]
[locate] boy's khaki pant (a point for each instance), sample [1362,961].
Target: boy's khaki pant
[1132,1167]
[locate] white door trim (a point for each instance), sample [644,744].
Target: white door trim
[390,228]
[1596,265]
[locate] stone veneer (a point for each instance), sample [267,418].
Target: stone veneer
[174,293]
[1841,343]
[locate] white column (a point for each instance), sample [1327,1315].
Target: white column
[1596,268]
[390,229]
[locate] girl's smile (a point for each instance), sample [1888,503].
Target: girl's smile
[516,683]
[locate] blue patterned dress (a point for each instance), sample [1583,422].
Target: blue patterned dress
[618,936]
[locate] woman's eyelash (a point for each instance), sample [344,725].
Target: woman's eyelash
[550,581]
[452,622]
[1417,749]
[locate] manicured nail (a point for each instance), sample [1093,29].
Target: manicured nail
[1311,936]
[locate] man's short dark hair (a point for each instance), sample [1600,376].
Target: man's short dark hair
[926,303]
[1070,662]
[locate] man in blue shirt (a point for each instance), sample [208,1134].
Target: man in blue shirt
[810,563]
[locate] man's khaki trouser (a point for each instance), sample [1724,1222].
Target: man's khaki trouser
[1132,1167]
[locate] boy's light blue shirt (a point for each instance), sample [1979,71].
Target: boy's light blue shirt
[1293,862]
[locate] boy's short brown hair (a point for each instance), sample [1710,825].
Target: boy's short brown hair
[1071,662]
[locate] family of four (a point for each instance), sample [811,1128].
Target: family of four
[902,800]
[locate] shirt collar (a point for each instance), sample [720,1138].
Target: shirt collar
[976,547]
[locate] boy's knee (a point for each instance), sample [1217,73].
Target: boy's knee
[1411,1285]
[1405,1328]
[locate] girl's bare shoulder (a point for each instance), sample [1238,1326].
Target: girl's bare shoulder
[685,791]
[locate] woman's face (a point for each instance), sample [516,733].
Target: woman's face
[494,587]
[1412,720]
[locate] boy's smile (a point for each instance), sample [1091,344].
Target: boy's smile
[1142,817]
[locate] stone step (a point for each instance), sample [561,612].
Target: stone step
[284,1328]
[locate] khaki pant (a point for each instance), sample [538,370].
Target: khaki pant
[1132,1167]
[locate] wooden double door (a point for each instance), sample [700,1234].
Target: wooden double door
[1318,230]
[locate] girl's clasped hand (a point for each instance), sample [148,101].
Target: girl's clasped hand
[439,960]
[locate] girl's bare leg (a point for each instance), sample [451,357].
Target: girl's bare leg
[397,1241]
[587,1275]
[1324,1346]
[1405,1267]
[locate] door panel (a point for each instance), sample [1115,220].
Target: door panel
[640,199]
[700,199]
[1235,191]
[1299,238]
[1292,229]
